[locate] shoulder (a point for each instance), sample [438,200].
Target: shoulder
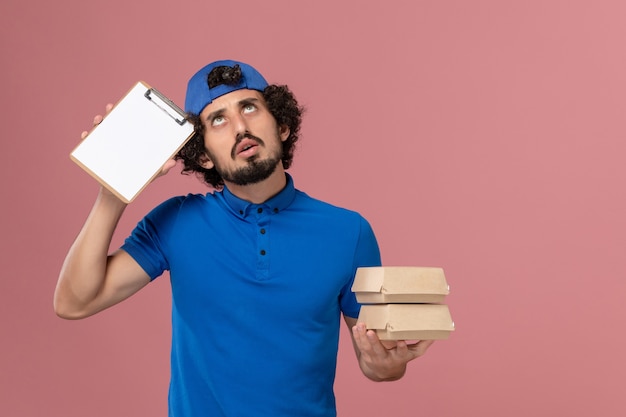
[173,206]
[325,211]
[305,200]
[351,235]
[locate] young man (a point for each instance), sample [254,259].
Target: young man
[260,272]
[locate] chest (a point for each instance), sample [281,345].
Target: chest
[265,265]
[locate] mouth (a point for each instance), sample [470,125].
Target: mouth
[246,148]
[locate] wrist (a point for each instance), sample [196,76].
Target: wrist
[107,197]
[382,375]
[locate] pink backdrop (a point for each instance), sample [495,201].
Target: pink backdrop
[486,137]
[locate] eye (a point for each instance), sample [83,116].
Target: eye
[249,108]
[217,121]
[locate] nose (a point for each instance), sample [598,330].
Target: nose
[239,125]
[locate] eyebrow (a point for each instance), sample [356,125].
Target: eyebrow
[242,103]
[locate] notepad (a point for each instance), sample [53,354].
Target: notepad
[129,147]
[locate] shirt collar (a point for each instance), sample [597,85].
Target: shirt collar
[276,204]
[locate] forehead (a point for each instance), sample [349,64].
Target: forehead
[232,99]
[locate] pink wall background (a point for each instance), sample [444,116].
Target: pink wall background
[486,137]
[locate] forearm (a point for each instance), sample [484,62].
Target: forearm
[83,273]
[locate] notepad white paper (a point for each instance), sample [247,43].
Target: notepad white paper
[129,147]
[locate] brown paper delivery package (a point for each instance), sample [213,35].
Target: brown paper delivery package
[404,303]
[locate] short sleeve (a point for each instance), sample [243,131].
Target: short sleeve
[147,243]
[367,253]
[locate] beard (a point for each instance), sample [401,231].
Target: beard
[256,169]
[255,172]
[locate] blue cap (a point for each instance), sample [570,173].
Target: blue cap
[199,95]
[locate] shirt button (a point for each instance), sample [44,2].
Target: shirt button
[240,211]
[275,210]
[263,252]
[259,210]
[262,231]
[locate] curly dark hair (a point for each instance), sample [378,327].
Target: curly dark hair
[281,103]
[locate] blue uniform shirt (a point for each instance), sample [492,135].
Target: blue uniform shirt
[257,294]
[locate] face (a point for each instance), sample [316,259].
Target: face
[242,140]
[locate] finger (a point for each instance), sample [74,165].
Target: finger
[389,344]
[402,349]
[97,120]
[84,134]
[362,339]
[420,347]
[167,166]
[108,108]
[375,344]
[171,163]
[358,333]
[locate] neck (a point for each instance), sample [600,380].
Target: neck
[262,191]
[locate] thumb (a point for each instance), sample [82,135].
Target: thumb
[171,163]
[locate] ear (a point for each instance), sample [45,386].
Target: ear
[283,132]
[205,162]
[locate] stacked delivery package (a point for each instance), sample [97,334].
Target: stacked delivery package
[404,303]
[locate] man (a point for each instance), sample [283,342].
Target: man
[260,272]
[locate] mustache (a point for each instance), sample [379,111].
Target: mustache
[242,136]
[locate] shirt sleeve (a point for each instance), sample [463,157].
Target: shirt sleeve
[147,243]
[367,253]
